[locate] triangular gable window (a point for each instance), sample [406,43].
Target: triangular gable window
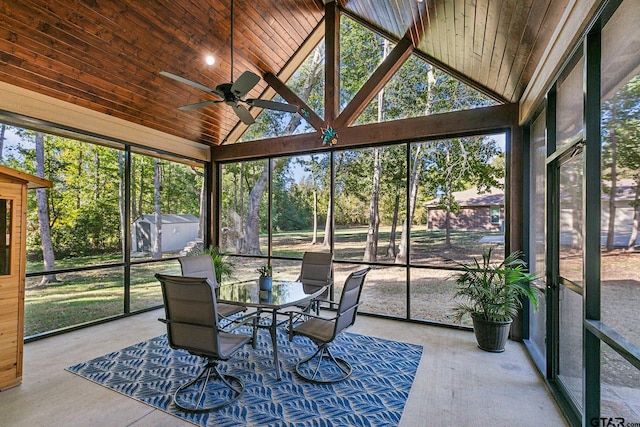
[419,89]
[308,83]
[361,52]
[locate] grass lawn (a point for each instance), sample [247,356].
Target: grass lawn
[79,297]
[85,296]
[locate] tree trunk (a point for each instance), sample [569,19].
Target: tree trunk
[239,220]
[614,186]
[251,239]
[132,190]
[201,211]
[79,172]
[43,216]
[371,248]
[391,249]
[156,251]
[314,240]
[123,227]
[327,227]
[201,224]
[402,257]
[415,177]
[142,189]
[97,184]
[447,217]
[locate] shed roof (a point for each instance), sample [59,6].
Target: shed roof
[169,218]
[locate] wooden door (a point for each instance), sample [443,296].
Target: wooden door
[13,199]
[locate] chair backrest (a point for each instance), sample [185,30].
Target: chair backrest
[348,306]
[199,266]
[317,268]
[191,313]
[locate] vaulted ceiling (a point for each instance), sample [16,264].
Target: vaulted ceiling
[106,55]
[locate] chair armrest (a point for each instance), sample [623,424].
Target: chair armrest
[291,313]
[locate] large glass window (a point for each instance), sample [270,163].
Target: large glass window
[537,236]
[165,207]
[76,269]
[571,215]
[368,211]
[300,193]
[77,222]
[620,272]
[571,313]
[74,298]
[244,219]
[370,198]
[570,106]
[459,207]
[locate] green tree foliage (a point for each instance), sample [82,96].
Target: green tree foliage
[453,165]
[239,224]
[238,179]
[360,55]
[84,202]
[621,150]
[291,209]
[417,89]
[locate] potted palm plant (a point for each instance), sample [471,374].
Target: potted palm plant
[265,279]
[492,295]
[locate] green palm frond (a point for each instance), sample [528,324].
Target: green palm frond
[493,291]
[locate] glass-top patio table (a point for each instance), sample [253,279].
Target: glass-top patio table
[283,294]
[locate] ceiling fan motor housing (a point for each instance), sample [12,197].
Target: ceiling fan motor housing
[229,96]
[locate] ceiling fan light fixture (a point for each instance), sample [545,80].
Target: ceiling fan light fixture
[233,93]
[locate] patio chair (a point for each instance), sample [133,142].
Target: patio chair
[316,272]
[202,266]
[192,324]
[322,331]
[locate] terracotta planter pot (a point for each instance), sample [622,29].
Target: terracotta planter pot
[491,335]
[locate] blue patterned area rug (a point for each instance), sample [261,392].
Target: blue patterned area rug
[374,395]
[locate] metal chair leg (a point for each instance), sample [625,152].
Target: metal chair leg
[209,371]
[321,354]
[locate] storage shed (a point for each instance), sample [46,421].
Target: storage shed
[177,231]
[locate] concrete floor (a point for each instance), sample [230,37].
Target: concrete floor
[456,385]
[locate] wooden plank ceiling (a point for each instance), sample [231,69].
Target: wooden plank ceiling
[106,55]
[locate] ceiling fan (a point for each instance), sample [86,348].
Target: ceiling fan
[233,93]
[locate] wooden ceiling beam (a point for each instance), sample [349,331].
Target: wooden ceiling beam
[305,111]
[446,125]
[375,83]
[332,61]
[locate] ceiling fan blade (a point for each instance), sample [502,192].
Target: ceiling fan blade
[197,105]
[245,83]
[190,83]
[244,114]
[272,105]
